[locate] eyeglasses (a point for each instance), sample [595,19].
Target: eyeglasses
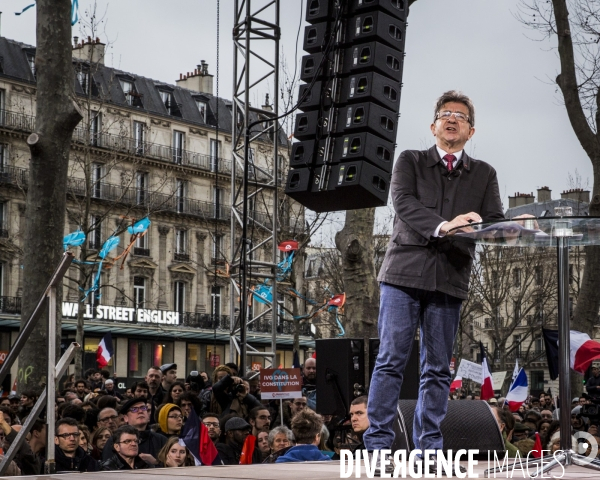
[67,435]
[446,114]
[106,419]
[211,424]
[130,442]
[143,408]
[175,417]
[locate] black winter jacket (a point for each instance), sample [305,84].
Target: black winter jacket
[81,462]
[150,442]
[115,462]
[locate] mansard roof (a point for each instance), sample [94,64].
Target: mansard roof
[107,89]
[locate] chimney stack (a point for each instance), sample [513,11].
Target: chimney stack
[91,51]
[520,199]
[577,194]
[544,194]
[198,80]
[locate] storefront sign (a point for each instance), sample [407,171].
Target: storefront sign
[121,314]
[256,366]
[3,355]
[215,360]
[280,383]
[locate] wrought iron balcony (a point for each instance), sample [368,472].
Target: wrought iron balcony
[14,176]
[181,257]
[10,305]
[17,121]
[153,201]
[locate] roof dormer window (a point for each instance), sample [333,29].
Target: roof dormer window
[201,104]
[132,97]
[168,99]
[31,62]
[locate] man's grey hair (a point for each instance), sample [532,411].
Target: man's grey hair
[455,96]
[281,429]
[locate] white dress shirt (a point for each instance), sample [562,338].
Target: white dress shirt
[458,156]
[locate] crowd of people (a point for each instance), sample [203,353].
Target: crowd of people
[98,428]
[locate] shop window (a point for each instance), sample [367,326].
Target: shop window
[145,353]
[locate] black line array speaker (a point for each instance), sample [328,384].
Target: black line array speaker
[340,370]
[349,105]
[351,185]
[469,424]
[410,383]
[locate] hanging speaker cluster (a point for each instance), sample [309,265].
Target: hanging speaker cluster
[349,104]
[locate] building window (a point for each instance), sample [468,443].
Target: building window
[202,109]
[215,151]
[169,101]
[539,344]
[539,275]
[517,310]
[218,202]
[145,353]
[139,292]
[141,187]
[517,344]
[179,297]
[90,347]
[537,381]
[95,235]
[3,225]
[2,106]
[178,146]
[97,175]
[217,247]
[141,246]
[251,170]
[31,62]
[138,137]
[181,254]
[83,76]
[215,301]
[96,129]
[127,90]
[3,156]
[180,199]
[516,277]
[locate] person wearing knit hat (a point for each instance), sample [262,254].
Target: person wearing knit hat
[170,420]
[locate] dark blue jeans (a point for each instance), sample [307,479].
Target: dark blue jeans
[401,311]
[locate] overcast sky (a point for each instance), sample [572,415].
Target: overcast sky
[476,46]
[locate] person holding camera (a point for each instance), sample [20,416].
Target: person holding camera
[232,396]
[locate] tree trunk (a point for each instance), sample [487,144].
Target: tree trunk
[56,118]
[588,303]
[355,242]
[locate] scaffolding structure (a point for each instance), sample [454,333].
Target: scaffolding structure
[255,31]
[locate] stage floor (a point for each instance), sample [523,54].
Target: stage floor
[290,471]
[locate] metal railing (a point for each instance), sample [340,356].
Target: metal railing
[10,305]
[206,321]
[123,143]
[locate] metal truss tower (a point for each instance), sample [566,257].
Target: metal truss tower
[256,37]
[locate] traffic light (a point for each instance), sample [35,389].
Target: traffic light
[349,104]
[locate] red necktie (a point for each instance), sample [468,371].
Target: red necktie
[450,159]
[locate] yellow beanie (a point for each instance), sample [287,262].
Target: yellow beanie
[163,414]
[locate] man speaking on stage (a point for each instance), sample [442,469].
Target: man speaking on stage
[425,274]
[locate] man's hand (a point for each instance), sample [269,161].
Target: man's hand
[459,221]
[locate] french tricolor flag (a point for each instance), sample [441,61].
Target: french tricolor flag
[583,352]
[456,384]
[517,393]
[105,351]
[487,388]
